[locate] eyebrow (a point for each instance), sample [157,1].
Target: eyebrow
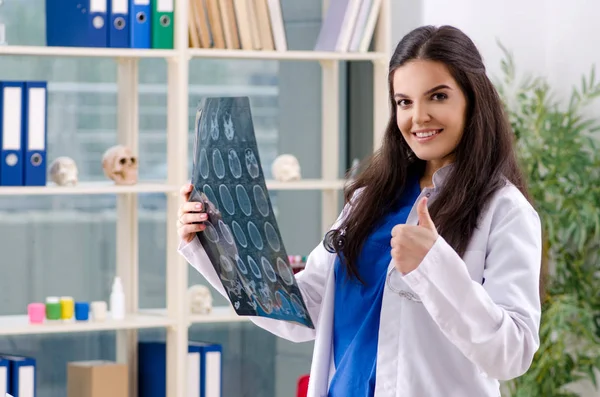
[430,91]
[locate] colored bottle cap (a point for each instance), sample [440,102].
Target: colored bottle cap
[82,311]
[53,310]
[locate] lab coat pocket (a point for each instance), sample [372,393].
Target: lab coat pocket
[396,285]
[475,261]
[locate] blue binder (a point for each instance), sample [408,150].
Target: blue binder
[77,23]
[139,23]
[118,30]
[22,376]
[11,133]
[204,369]
[35,133]
[4,376]
[152,369]
[210,368]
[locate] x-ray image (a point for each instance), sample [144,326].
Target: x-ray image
[242,238]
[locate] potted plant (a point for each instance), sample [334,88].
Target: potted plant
[557,148]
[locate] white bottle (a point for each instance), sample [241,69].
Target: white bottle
[117,300]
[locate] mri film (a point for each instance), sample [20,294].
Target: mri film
[242,239]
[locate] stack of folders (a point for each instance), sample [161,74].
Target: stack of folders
[17,376]
[237,24]
[204,366]
[23,136]
[348,25]
[110,23]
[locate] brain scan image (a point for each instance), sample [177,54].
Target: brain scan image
[204,164]
[214,127]
[228,126]
[242,238]
[234,164]
[251,163]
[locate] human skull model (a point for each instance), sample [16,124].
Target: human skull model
[200,299]
[286,168]
[120,165]
[63,171]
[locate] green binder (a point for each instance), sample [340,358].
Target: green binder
[162,23]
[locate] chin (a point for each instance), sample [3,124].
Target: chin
[429,155]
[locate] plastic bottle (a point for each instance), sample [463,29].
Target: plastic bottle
[117,300]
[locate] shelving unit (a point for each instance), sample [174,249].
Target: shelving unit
[174,317]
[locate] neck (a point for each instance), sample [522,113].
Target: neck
[430,168]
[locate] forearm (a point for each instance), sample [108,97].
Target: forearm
[500,339]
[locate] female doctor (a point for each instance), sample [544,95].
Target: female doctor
[428,283]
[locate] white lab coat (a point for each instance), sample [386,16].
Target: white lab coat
[459,337]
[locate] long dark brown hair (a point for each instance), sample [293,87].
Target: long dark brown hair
[484,157]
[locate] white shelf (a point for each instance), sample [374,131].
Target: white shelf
[101,52]
[306,184]
[97,52]
[146,318]
[223,314]
[219,314]
[286,55]
[19,324]
[95,188]
[88,188]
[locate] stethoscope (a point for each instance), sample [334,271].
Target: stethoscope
[334,240]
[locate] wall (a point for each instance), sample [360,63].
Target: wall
[548,37]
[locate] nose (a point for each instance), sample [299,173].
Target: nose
[420,114]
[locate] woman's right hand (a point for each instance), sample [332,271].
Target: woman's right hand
[190,218]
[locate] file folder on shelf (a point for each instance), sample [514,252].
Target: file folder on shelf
[77,23]
[162,23]
[35,136]
[11,133]
[4,376]
[139,24]
[210,368]
[118,29]
[203,363]
[22,375]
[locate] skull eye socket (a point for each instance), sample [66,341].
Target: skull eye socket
[132,160]
[122,161]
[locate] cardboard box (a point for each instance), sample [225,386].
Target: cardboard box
[97,379]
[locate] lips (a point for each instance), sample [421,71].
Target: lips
[425,135]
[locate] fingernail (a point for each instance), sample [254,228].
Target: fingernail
[198,205]
[203,216]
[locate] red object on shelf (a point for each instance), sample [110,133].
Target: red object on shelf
[302,386]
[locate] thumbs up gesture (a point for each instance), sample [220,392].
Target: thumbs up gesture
[411,243]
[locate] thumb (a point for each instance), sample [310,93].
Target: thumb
[424,217]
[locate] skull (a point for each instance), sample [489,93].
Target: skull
[199,299]
[286,168]
[63,171]
[120,165]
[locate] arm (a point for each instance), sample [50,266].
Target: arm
[311,282]
[495,325]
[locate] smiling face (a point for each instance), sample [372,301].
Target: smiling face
[430,110]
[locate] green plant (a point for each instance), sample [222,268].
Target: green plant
[557,148]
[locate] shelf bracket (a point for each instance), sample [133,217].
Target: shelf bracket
[330,139]
[127,207]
